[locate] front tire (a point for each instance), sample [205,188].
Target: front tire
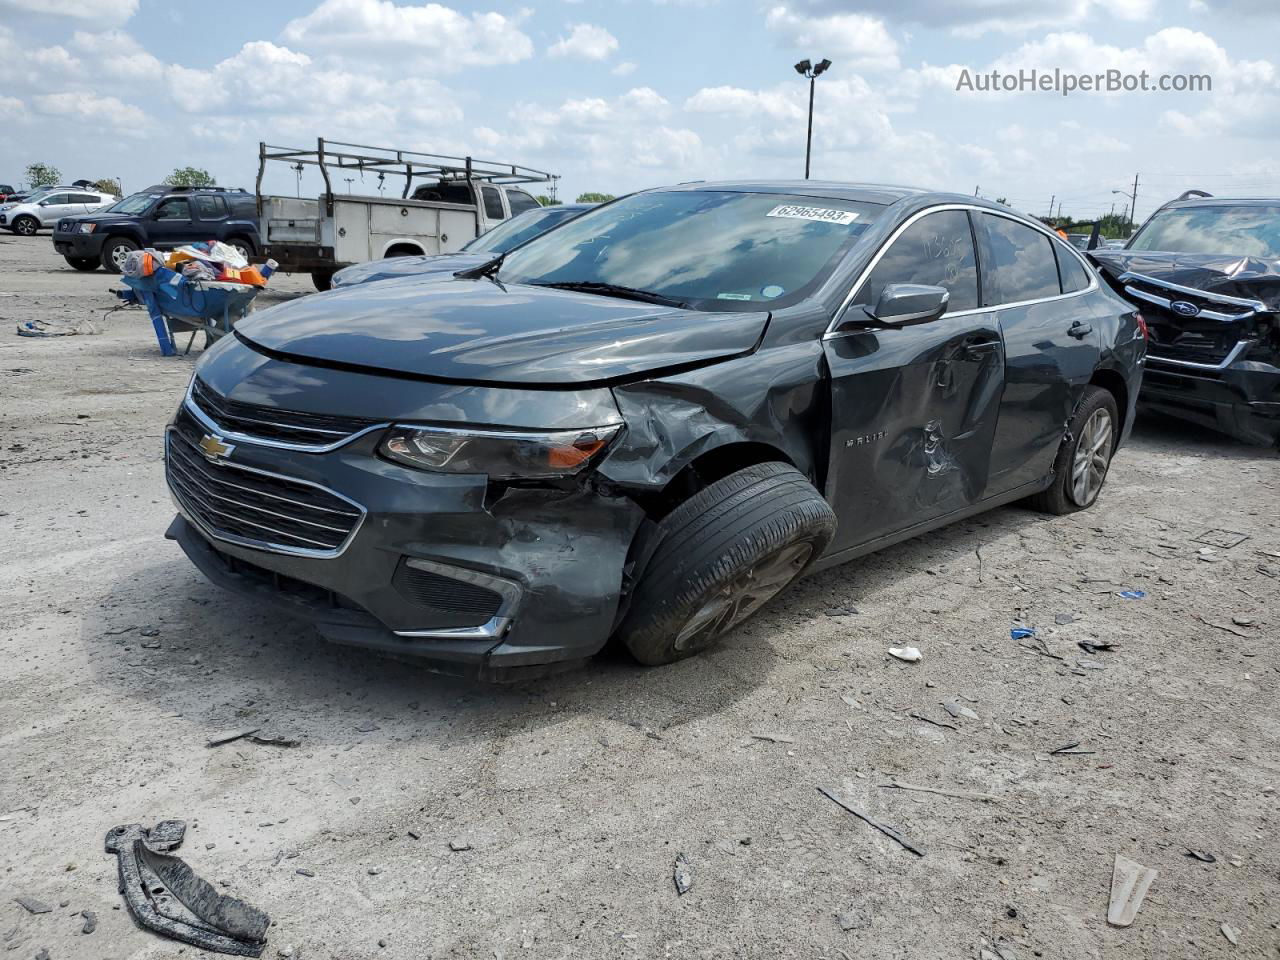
[243,246]
[26,226]
[322,279]
[114,252]
[1082,463]
[87,264]
[725,552]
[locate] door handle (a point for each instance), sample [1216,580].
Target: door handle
[1080,329]
[977,349]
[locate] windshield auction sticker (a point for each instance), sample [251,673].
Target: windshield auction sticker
[821,214]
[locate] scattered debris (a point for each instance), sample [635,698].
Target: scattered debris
[956,709]
[90,921]
[849,920]
[32,905]
[772,737]
[955,794]
[1020,633]
[273,740]
[459,846]
[166,896]
[936,723]
[1244,621]
[1201,855]
[230,736]
[1231,933]
[1223,539]
[1062,619]
[304,872]
[1095,646]
[366,726]
[907,654]
[888,831]
[1130,881]
[841,612]
[681,875]
[1132,594]
[1223,626]
[1069,750]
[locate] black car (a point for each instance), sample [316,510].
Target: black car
[646,423]
[506,235]
[162,217]
[1205,271]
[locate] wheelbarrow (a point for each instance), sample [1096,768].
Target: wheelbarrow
[178,304]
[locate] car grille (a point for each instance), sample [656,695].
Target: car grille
[1207,338]
[288,427]
[254,508]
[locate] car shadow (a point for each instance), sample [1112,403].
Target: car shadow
[220,661]
[1158,430]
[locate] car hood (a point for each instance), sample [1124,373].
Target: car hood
[471,331]
[407,267]
[1231,275]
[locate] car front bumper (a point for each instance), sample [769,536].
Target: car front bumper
[473,580]
[1241,400]
[86,245]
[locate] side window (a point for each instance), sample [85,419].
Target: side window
[519,202]
[492,203]
[57,199]
[174,208]
[210,207]
[1019,263]
[87,198]
[938,250]
[1071,271]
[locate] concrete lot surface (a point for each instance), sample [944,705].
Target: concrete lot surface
[573,796]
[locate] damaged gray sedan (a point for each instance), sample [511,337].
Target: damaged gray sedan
[646,424]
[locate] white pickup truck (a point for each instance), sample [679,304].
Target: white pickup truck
[453,200]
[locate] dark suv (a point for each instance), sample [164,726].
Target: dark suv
[645,423]
[162,217]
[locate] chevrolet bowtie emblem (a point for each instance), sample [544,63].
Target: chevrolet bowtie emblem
[214,447]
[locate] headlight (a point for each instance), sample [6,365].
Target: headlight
[87,228]
[503,455]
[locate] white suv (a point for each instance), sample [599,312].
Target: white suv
[47,207]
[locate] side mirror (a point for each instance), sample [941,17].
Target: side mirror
[44,203]
[906,303]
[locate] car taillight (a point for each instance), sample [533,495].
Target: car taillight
[1142,325]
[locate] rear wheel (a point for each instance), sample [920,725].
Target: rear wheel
[1083,460]
[725,552]
[323,279]
[243,246]
[87,264]
[114,252]
[26,226]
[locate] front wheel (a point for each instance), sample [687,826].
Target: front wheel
[26,226]
[323,279]
[115,251]
[87,264]
[725,552]
[1084,458]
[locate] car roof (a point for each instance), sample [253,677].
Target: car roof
[883,193]
[1221,202]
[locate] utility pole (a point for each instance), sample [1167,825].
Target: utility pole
[1133,208]
[975,190]
[1051,199]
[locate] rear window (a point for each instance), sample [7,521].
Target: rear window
[1020,263]
[1248,230]
[1072,272]
[210,207]
[492,203]
[716,250]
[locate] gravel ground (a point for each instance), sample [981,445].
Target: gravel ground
[573,796]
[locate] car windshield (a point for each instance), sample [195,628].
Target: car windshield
[137,203]
[716,250]
[518,229]
[1248,230]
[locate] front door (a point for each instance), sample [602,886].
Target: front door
[914,408]
[171,224]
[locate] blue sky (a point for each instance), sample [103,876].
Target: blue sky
[632,93]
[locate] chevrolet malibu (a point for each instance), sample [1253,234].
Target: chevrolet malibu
[647,423]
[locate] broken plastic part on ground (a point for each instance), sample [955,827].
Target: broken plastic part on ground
[165,895]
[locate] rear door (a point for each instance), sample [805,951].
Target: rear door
[57,205]
[914,408]
[210,212]
[1050,343]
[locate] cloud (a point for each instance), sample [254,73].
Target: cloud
[977,17]
[98,11]
[586,42]
[11,108]
[851,39]
[103,111]
[624,69]
[442,39]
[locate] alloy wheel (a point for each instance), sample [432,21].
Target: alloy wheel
[743,595]
[25,226]
[1093,455]
[119,254]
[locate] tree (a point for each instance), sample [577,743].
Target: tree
[42,175]
[546,201]
[190,177]
[594,197]
[108,185]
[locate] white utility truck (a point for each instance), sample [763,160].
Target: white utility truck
[444,202]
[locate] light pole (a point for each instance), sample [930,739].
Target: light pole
[1125,194]
[812,71]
